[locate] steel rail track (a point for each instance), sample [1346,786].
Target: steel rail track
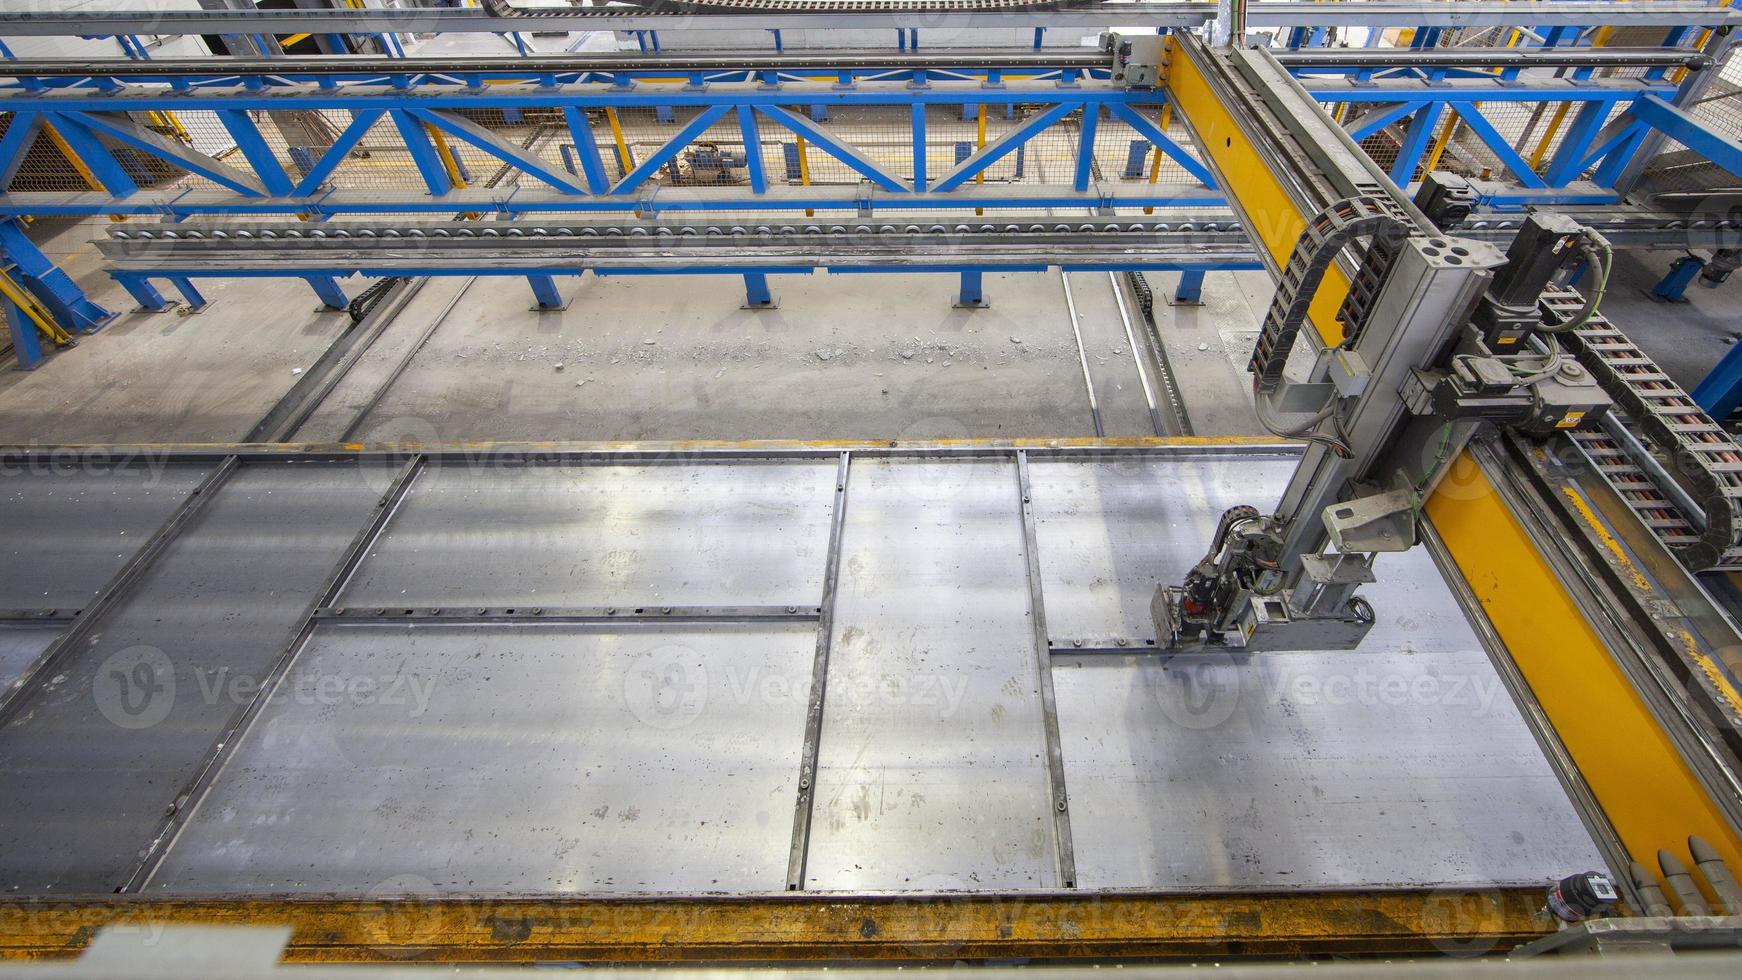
[824,59]
[932,14]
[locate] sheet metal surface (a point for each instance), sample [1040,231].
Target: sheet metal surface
[66,529]
[1404,761]
[932,771]
[750,534]
[534,744]
[90,767]
[20,646]
[543,759]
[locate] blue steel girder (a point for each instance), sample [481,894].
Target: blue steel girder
[993,152]
[665,154]
[1683,127]
[587,148]
[1152,132]
[834,146]
[476,135]
[1376,120]
[1415,142]
[122,129]
[423,152]
[20,134]
[1491,138]
[334,155]
[260,157]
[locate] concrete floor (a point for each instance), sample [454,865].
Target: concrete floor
[843,357]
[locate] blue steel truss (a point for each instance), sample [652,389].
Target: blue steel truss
[92,114]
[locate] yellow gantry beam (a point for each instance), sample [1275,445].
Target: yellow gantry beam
[1648,792]
[1265,208]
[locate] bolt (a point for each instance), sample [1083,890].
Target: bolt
[1076,643]
[611,611]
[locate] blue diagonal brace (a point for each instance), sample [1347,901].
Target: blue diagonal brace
[1377,120]
[664,155]
[53,287]
[336,154]
[26,342]
[462,128]
[1151,132]
[587,148]
[1678,125]
[1415,142]
[1491,138]
[20,135]
[423,152]
[260,157]
[993,152]
[831,144]
[93,154]
[1569,159]
[121,128]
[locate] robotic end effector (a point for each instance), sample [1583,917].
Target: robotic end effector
[1269,581]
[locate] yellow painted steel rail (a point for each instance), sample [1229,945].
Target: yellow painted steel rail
[822,928]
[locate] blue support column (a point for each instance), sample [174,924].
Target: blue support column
[150,300]
[1190,291]
[1681,273]
[752,136]
[973,295]
[26,342]
[327,288]
[1721,391]
[185,286]
[1086,146]
[756,293]
[52,287]
[919,174]
[545,292]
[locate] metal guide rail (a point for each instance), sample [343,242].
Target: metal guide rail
[831,59]
[1702,457]
[932,14]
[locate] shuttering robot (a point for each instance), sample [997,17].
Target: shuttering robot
[1470,399]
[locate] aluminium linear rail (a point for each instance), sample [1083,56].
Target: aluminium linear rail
[830,59]
[1179,14]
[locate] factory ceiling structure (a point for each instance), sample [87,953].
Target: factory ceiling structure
[759,483]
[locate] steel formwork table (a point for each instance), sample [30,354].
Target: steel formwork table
[714,671]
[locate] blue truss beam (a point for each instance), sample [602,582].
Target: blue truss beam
[665,154]
[329,161]
[91,151]
[462,128]
[834,146]
[1491,138]
[1378,119]
[423,152]
[1152,132]
[1679,125]
[124,130]
[587,148]
[993,152]
[20,135]
[260,157]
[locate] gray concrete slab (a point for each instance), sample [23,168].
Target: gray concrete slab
[879,357]
[165,377]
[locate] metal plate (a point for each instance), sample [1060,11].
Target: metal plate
[20,646]
[90,766]
[66,530]
[1402,763]
[740,534]
[428,760]
[932,773]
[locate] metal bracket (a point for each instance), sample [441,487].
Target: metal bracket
[1380,522]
